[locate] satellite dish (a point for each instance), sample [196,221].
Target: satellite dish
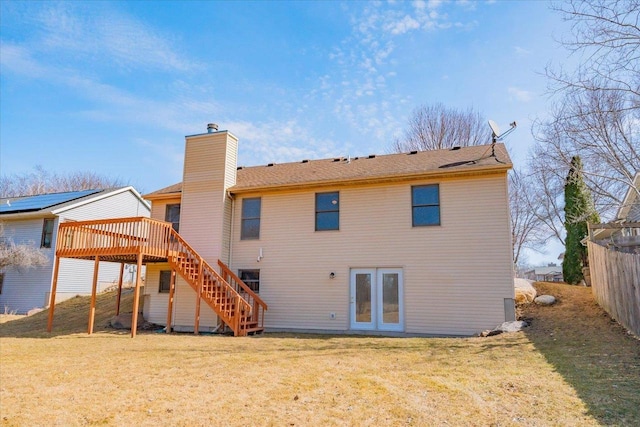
[495,129]
[497,136]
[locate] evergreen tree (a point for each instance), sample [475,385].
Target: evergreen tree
[578,211]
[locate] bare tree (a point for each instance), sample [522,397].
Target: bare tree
[606,36]
[596,126]
[40,181]
[596,110]
[433,127]
[527,227]
[19,256]
[546,192]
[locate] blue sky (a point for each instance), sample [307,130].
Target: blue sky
[113,87]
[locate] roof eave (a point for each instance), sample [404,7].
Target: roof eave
[375,180]
[163,196]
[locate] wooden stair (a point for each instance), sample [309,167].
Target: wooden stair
[145,240]
[232,300]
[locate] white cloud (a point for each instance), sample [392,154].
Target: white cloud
[402,26]
[18,60]
[520,94]
[104,37]
[419,4]
[520,51]
[273,141]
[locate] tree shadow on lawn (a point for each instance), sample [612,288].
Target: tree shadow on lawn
[592,352]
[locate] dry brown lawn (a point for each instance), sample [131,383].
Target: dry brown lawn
[573,366]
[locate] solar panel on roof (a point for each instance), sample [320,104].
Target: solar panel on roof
[41,201]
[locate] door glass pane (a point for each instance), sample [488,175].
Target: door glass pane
[363,298]
[390,298]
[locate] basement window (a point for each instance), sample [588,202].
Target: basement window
[251,278]
[47,233]
[250,219]
[165,282]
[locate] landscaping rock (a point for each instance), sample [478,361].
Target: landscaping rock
[525,292]
[123,321]
[514,326]
[34,311]
[545,300]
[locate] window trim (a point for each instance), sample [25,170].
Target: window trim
[243,233]
[175,225]
[414,206]
[160,288]
[43,242]
[317,211]
[255,270]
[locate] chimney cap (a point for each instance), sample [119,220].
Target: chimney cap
[212,127]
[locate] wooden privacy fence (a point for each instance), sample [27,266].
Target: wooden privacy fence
[615,281]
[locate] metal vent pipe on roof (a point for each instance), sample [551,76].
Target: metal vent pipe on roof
[212,127]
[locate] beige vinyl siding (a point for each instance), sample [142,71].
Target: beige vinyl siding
[202,213]
[205,216]
[456,275]
[155,303]
[183,315]
[159,208]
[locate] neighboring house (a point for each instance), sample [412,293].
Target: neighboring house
[412,243]
[629,210]
[623,233]
[548,273]
[35,220]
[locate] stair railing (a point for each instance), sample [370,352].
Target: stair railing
[257,304]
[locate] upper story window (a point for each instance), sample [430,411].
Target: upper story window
[47,233]
[250,228]
[328,211]
[165,281]
[251,278]
[172,215]
[425,205]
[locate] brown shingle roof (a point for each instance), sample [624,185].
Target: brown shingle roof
[363,169]
[384,167]
[175,188]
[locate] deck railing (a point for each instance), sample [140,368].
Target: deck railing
[232,300]
[119,236]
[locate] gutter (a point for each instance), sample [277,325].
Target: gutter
[374,180]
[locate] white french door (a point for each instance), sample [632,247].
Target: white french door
[376,299]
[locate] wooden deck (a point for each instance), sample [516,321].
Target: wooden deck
[141,241]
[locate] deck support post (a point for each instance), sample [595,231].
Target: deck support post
[92,309]
[196,326]
[119,288]
[136,298]
[172,286]
[52,298]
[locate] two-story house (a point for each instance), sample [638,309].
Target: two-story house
[417,243]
